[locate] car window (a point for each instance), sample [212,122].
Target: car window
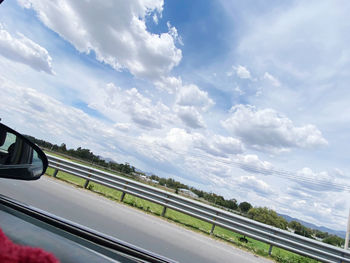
[10,139]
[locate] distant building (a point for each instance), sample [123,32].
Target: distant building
[145,178]
[187,192]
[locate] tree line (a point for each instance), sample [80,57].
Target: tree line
[261,214]
[85,155]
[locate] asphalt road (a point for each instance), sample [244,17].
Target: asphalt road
[123,222]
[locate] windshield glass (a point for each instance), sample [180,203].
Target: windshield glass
[241,106]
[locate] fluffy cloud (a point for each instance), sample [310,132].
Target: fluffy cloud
[190,102]
[253,164]
[257,185]
[122,126]
[268,130]
[217,145]
[21,49]
[168,147]
[210,151]
[228,145]
[242,72]
[115,30]
[174,34]
[169,84]
[140,109]
[191,95]
[190,116]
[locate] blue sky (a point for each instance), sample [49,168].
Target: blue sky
[248,99]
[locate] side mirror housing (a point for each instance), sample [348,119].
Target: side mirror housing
[19,157]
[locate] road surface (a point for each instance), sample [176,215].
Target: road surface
[123,222]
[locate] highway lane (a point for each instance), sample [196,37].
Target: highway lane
[123,222]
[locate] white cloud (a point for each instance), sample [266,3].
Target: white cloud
[115,31]
[298,194]
[314,209]
[191,95]
[48,117]
[125,127]
[268,130]
[190,116]
[242,72]
[190,102]
[140,109]
[168,147]
[169,84]
[33,112]
[253,164]
[22,49]
[217,145]
[252,183]
[155,19]
[173,32]
[275,82]
[239,91]
[322,181]
[228,145]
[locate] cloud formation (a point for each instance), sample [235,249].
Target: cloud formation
[137,107]
[191,95]
[252,163]
[268,130]
[23,50]
[255,184]
[321,181]
[242,72]
[115,30]
[274,81]
[190,116]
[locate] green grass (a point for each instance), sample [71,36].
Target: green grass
[67,177]
[255,246]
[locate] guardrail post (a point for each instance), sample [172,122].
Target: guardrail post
[164,211]
[86,184]
[87,180]
[212,229]
[55,173]
[270,249]
[122,197]
[213,226]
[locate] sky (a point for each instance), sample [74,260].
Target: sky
[247,99]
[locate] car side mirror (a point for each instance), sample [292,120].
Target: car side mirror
[19,157]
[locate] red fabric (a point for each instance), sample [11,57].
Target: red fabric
[13,253]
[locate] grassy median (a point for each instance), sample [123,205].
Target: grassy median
[255,246]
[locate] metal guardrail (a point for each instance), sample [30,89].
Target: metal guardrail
[217,217]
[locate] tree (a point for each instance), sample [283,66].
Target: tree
[321,234]
[63,147]
[231,204]
[300,229]
[267,216]
[334,240]
[244,207]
